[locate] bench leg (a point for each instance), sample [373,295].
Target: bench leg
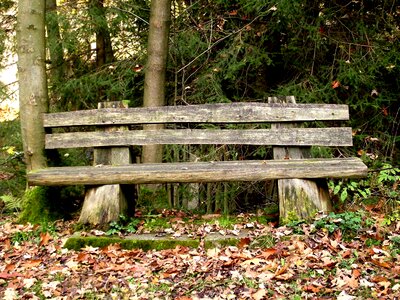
[106,203]
[301,199]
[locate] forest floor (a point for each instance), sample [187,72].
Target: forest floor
[342,256]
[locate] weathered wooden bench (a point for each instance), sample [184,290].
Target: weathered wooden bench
[113,167]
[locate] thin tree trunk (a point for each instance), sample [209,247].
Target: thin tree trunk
[32,79]
[104,51]
[154,85]
[57,69]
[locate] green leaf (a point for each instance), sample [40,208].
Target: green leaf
[343,195]
[336,189]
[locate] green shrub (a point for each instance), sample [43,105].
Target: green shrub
[379,185]
[350,223]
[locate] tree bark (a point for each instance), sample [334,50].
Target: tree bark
[104,51]
[154,85]
[57,69]
[32,79]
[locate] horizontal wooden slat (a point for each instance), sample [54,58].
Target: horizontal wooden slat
[200,172]
[337,136]
[209,113]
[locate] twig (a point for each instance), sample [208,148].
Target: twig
[131,13]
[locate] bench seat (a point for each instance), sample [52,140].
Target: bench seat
[242,170]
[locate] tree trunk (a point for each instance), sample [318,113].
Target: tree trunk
[57,68]
[154,85]
[298,198]
[104,52]
[32,79]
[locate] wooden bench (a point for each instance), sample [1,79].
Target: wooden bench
[111,131]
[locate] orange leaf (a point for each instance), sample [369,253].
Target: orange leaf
[267,253]
[335,84]
[32,263]
[382,264]
[244,242]
[379,278]
[311,288]
[210,216]
[44,238]
[9,267]
[356,273]
[347,253]
[5,275]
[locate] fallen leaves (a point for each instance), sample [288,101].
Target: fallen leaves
[313,265]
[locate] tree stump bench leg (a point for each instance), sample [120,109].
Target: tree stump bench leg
[298,198]
[104,204]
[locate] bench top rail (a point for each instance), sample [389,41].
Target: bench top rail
[247,112]
[334,136]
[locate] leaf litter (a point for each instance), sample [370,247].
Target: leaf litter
[302,263]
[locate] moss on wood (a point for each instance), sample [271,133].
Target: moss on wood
[77,243]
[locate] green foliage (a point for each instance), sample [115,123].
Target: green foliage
[152,199]
[379,185]
[350,223]
[346,189]
[11,160]
[123,225]
[240,50]
[392,218]
[34,234]
[11,203]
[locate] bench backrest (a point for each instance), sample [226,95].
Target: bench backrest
[225,113]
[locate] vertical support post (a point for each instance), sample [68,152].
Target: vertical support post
[105,203]
[298,198]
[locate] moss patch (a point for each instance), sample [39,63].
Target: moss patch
[36,207]
[77,243]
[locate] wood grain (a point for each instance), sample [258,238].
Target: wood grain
[248,112]
[200,172]
[336,136]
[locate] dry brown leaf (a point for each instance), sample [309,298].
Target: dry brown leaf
[382,264]
[211,216]
[32,263]
[268,253]
[281,269]
[45,237]
[5,275]
[244,242]
[356,273]
[378,278]
[260,294]
[311,288]
[352,282]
